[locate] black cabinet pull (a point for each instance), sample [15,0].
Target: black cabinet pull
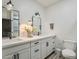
[53,48]
[14,57]
[53,42]
[47,44]
[36,42]
[54,37]
[17,55]
[37,50]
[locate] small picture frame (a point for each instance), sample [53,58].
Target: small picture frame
[51,26]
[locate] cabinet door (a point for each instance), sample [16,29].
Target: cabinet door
[50,46]
[8,57]
[43,49]
[53,44]
[24,54]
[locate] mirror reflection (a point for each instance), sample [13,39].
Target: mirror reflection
[36,20]
[11,20]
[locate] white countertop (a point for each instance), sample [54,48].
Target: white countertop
[6,42]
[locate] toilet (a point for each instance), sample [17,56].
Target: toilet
[68,51]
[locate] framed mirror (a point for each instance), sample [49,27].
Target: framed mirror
[10,23]
[36,23]
[15,23]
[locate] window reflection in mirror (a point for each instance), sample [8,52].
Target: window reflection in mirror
[15,23]
[36,20]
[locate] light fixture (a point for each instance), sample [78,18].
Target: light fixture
[9,5]
[37,13]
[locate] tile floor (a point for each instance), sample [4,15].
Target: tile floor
[56,56]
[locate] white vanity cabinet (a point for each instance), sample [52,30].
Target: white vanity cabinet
[23,54]
[47,46]
[17,52]
[39,48]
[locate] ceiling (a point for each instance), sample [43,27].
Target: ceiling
[47,3]
[44,3]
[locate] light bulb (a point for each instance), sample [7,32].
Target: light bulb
[9,7]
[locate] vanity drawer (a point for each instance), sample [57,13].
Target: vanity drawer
[35,52]
[35,43]
[14,49]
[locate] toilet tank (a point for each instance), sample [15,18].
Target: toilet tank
[70,44]
[59,44]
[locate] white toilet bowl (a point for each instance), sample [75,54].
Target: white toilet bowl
[68,54]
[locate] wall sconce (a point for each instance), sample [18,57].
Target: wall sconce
[37,13]
[9,5]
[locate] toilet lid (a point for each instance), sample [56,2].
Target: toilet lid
[68,53]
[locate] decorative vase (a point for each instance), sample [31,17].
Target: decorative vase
[29,34]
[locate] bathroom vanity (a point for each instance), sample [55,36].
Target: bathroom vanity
[37,47]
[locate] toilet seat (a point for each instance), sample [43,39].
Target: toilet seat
[68,53]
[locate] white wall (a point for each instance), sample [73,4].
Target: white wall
[63,14]
[5,13]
